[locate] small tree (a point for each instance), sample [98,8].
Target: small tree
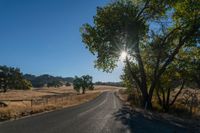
[84,82]
[67,84]
[77,83]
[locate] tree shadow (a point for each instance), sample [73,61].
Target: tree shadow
[141,122]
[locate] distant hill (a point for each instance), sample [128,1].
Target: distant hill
[47,80]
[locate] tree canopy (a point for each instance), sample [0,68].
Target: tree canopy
[153,33]
[84,82]
[12,78]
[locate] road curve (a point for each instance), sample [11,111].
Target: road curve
[105,114]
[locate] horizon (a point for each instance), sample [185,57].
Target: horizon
[42,37]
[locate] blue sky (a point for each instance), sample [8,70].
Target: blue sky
[42,37]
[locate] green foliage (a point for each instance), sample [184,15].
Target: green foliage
[155,34]
[84,82]
[189,61]
[115,26]
[12,78]
[54,84]
[77,83]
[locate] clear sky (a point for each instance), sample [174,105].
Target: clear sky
[42,37]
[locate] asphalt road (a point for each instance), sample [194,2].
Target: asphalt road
[105,114]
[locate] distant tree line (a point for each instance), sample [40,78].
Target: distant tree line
[12,78]
[118,84]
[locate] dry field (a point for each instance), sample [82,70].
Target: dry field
[22,103]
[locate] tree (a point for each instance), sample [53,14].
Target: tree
[126,25]
[55,83]
[67,84]
[173,78]
[84,82]
[12,78]
[191,61]
[77,83]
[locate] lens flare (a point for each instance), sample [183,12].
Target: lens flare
[123,55]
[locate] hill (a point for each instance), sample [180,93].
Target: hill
[48,80]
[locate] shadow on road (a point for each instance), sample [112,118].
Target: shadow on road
[140,122]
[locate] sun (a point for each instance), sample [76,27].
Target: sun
[123,55]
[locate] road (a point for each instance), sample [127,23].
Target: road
[105,114]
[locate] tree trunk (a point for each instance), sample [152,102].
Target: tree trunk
[139,84]
[4,90]
[83,91]
[158,96]
[146,102]
[178,93]
[197,80]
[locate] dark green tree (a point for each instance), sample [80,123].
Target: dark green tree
[77,84]
[12,78]
[84,82]
[67,84]
[87,83]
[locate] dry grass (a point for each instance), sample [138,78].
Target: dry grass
[24,108]
[17,109]
[34,93]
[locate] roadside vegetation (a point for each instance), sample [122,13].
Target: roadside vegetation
[160,45]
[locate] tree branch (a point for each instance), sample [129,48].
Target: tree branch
[145,6]
[176,96]
[156,73]
[159,98]
[141,68]
[133,75]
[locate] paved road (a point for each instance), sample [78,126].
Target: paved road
[105,114]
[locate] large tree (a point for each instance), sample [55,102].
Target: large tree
[149,31]
[12,78]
